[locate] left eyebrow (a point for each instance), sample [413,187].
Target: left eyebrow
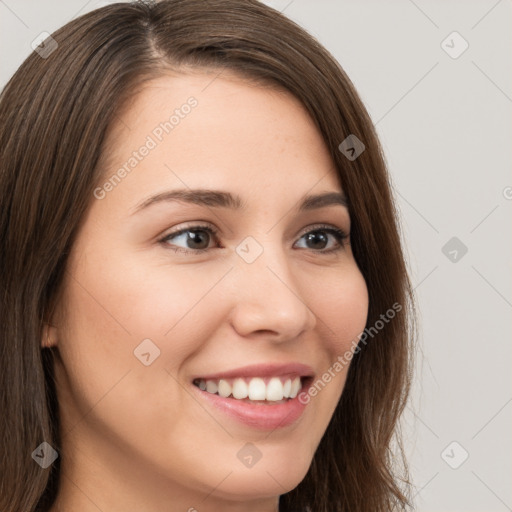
[222,199]
[320,200]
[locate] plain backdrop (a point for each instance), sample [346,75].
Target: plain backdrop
[443,113]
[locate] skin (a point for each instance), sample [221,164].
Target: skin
[133,437]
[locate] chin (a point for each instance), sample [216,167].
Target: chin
[271,476]
[256,486]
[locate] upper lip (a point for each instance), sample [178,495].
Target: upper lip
[261,370]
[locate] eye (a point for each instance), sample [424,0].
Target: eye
[317,236]
[197,239]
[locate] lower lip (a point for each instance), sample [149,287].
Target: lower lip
[259,416]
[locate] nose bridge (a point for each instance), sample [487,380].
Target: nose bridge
[267,296]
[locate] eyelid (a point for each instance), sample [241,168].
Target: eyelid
[320,226]
[198,224]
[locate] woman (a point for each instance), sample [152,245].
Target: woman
[206,305]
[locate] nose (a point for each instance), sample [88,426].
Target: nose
[268,300]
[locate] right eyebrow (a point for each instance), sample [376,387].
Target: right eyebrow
[222,199]
[202,197]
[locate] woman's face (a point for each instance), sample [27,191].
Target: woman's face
[150,316]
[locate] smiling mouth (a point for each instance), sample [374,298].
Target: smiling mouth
[257,390]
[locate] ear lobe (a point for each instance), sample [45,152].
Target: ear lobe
[49,338]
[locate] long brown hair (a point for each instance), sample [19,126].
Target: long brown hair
[54,116]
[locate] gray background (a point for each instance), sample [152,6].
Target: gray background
[445,124]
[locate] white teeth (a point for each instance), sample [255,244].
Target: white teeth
[257,389]
[295,387]
[287,388]
[224,388]
[240,389]
[211,386]
[275,390]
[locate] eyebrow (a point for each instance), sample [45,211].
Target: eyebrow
[221,199]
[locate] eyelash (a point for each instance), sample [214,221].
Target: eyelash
[339,234]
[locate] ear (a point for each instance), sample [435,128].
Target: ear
[49,338]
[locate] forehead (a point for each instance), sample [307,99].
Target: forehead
[218,131]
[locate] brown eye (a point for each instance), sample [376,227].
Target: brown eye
[194,238]
[318,238]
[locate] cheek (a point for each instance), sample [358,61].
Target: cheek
[111,308]
[113,304]
[116,301]
[341,305]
